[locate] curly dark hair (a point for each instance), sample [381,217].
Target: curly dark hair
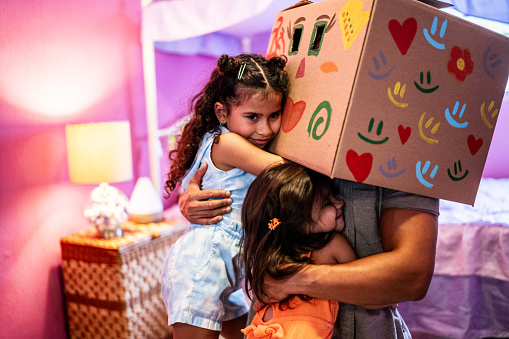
[260,76]
[287,192]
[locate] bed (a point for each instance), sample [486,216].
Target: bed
[469,293]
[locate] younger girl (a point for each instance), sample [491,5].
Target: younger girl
[291,218]
[235,116]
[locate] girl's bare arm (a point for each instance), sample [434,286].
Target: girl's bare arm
[337,251]
[234,151]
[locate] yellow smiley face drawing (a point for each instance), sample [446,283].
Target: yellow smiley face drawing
[427,125]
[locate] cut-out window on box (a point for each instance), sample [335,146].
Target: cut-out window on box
[296,38]
[317,38]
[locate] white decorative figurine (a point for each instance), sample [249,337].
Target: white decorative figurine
[107,210]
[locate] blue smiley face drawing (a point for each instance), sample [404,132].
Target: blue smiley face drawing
[430,35]
[419,173]
[451,116]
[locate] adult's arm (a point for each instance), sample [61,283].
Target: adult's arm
[402,272]
[196,206]
[232,151]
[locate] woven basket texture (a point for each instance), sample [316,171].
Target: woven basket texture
[112,287]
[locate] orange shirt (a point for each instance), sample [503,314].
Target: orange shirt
[307,320]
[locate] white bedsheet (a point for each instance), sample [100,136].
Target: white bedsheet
[475,240]
[469,293]
[491,206]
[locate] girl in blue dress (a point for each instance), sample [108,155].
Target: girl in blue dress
[235,116]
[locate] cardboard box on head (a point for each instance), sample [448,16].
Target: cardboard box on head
[392,93]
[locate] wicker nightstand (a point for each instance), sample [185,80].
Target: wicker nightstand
[112,287]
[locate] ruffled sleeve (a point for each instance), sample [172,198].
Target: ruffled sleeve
[274,331]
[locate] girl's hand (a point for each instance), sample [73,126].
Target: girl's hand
[196,206]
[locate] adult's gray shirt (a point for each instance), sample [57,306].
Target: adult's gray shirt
[363,205]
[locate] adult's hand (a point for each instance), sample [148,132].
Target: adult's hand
[275,291]
[196,205]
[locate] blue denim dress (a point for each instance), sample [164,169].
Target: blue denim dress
[201,279]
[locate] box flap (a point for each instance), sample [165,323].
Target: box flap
[298,4]
[436,3]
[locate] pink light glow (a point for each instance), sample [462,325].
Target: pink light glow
[61,78]
[57,68]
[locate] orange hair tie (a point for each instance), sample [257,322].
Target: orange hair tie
[274,223]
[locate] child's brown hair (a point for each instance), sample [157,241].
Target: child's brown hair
[229,85]
[288,192]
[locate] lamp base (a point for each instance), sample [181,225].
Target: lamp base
[111,233]
[145,205]
[107,210]
[146,218]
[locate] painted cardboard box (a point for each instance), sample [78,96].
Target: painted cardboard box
[393,93]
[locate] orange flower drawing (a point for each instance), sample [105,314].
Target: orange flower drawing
[460,64]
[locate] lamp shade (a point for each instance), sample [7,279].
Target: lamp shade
[99,152]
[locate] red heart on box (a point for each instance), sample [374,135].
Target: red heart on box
[404,133]
[292,114]
[474,144]
[359,165]
[403,35]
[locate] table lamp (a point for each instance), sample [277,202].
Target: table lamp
[100,153]
[145,205]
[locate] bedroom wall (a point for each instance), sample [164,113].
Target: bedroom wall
[64,62]
[68,62]
[497,163]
